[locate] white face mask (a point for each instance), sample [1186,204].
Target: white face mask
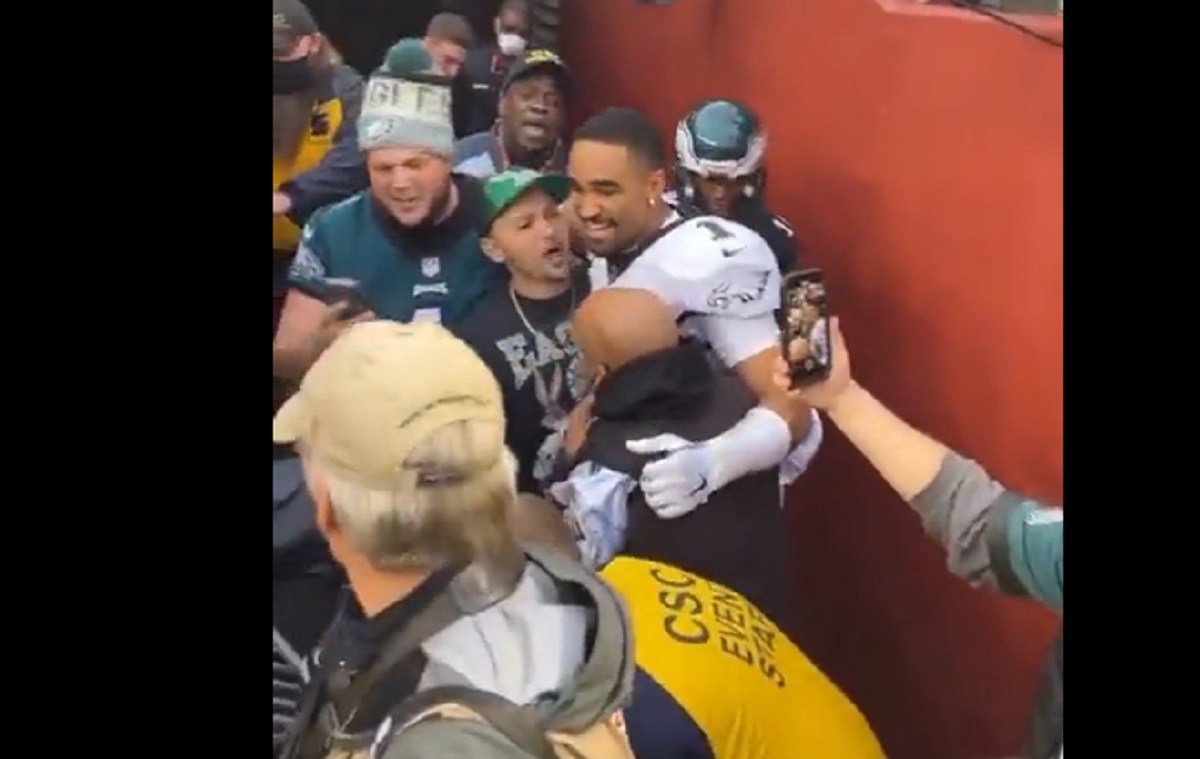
[510,44]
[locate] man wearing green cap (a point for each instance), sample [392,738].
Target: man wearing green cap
[408,246]
[523,331]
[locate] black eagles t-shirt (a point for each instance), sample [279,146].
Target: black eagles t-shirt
[538,370]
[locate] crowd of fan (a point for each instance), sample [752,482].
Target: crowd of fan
[534,428]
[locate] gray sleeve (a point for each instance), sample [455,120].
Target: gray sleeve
[465,148]
[471,155]
[440,738]
[955,510]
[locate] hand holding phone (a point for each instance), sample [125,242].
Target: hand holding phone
[344,293]
[804,326]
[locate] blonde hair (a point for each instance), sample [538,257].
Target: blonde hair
[451,504]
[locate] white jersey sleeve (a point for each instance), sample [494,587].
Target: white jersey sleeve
[734,340]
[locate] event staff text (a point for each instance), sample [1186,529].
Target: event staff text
[738,627]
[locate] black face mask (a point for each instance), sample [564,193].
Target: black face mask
[293,76]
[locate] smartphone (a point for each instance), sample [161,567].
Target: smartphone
[804,326]
[337,290]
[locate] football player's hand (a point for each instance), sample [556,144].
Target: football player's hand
[680,481]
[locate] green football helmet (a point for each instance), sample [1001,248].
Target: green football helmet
[720,138]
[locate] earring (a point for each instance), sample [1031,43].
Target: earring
[650,201]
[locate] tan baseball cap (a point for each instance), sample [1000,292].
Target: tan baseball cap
[381,390]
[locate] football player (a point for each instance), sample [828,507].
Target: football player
[721,281]
[719,151]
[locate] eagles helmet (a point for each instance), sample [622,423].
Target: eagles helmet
[720,139]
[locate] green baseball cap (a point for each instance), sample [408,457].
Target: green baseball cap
[502,190]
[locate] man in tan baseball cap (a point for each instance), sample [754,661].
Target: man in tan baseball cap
[382,393]
[400,430]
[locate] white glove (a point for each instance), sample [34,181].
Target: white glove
[796,463]
[682,480]
[691,472]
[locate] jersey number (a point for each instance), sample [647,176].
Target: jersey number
[719,234]
[717,231]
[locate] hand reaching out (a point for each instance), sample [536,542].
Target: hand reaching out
[334,322]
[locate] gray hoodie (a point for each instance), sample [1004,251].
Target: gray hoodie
[530,648]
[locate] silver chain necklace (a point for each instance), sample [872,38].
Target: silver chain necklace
[536,333]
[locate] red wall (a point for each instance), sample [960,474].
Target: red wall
[919,151]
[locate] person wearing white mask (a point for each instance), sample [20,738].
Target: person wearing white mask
[477,92]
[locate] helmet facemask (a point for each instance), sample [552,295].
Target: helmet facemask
[746,169]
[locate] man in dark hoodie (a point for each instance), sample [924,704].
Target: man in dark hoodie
[409,245]
[649,383]
[413,492]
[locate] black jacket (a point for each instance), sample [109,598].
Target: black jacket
[774,229]
[476,90]
[738,537]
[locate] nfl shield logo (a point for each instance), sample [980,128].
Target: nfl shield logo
[431,267]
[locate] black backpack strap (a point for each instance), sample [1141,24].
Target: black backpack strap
[612,651]
[344,692]
[441,612]
[519,724]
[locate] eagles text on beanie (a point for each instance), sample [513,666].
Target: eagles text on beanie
[407,103]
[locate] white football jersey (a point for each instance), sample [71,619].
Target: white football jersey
[714,275]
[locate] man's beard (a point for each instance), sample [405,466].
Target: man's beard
[437,209]
[291,118]
[438,205]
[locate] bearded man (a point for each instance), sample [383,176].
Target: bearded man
[316,105]
[407,248]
